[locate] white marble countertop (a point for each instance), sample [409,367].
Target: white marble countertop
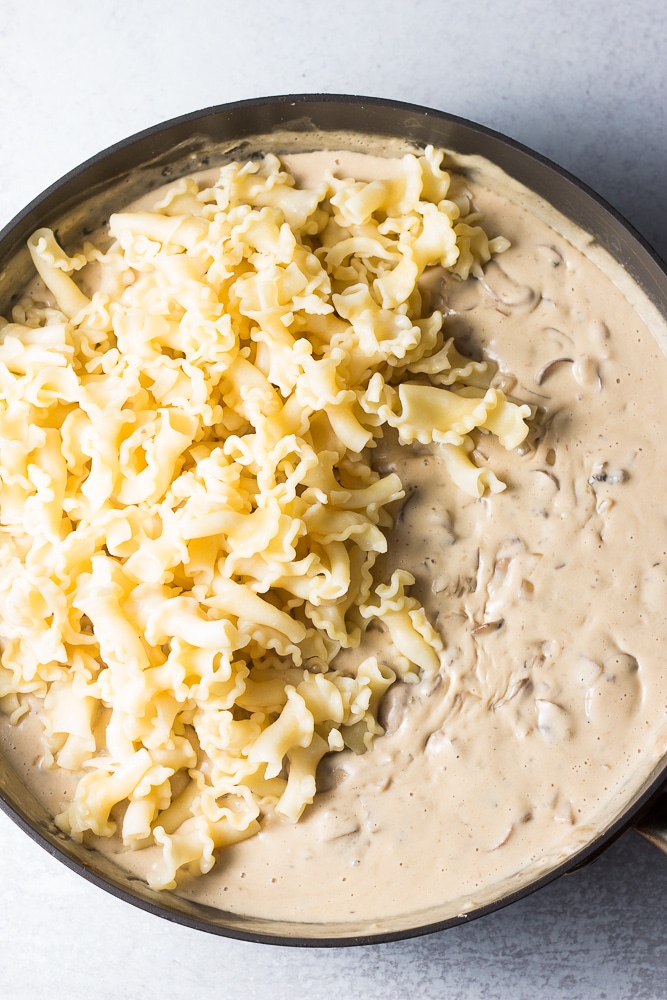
[584,84]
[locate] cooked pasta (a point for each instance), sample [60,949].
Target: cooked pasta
[190,513]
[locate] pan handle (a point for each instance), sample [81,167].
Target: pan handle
[653,824]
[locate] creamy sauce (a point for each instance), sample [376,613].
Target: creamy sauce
[550,598]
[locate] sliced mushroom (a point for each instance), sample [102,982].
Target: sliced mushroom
[486,627]
[586,372]
[550,367]
[510,295]
[514,688]
[553,721]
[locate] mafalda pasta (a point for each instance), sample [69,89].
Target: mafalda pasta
[190,512]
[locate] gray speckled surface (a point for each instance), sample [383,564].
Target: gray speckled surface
[583,83]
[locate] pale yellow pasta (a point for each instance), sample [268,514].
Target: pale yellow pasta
[469,477]
[301,784]
[53,267]
[190,515]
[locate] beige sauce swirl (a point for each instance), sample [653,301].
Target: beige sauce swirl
[550,599]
